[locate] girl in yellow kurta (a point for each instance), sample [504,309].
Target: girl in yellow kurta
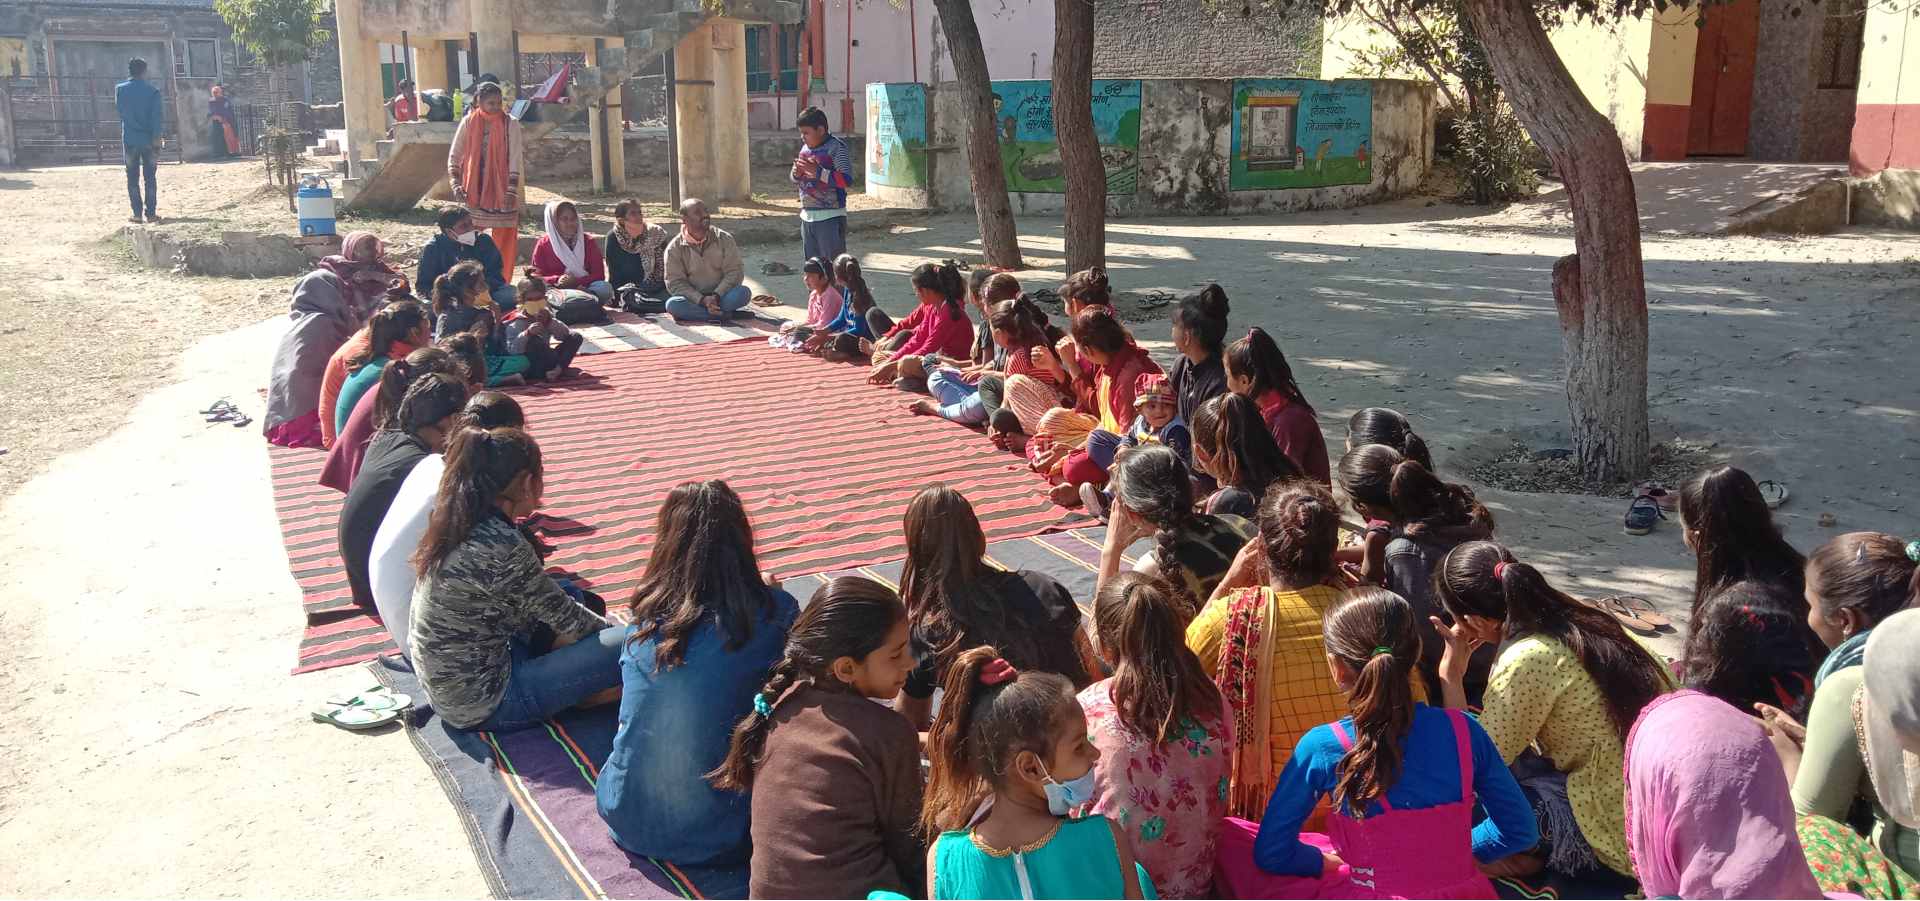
[1569,684]
[483,167]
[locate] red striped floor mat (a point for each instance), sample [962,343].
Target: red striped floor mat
[825,463]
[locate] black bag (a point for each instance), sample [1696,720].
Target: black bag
[580,308]
[637,303]
[439,105]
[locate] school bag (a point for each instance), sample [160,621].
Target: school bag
[579,308]
[439,105]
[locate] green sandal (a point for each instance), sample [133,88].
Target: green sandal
[367,710]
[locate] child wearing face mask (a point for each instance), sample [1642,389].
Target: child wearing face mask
[1012,764]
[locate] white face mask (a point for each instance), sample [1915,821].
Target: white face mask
[467,238]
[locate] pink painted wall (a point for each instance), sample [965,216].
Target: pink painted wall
[904,42]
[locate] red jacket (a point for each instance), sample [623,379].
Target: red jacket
[1124,370]
[551,270]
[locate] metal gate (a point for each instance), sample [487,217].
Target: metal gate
[66,119]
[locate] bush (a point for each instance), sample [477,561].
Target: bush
[1495,155]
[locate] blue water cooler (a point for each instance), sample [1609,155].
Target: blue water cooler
[314,203]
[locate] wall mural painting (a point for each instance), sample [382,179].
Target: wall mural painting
[1023,114]
[897,135]
[1301,133]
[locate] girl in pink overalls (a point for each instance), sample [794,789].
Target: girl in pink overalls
[1404,779]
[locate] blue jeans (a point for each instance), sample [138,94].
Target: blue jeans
[1103,446]
[958,400]
[539,687]
[142,160]
[824,240]
[601,290]
[690,308]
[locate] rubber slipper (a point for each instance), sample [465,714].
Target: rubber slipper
[1642,608]
[1642,513]
[376,698]
[1774,493]
[354,719]
[1624,615]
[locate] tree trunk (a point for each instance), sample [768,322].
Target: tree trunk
[1600,290]
[998,238]
[1086,226]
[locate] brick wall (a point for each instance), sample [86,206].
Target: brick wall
[323,68]
[1203,39]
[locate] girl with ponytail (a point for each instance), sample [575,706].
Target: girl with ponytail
[1569,681]
[1404,779]
[395,331]
[395,321]
[707,626]
[1012,764]
[1111,363]
[937,328]
[1425,518]
[1258,371]
[1153,498]
[1231,446]
[1199,333]
[1164,733]
[462,305]
[834,778]
[483,590]
[375,411]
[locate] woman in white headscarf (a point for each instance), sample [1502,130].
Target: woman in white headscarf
[566,258]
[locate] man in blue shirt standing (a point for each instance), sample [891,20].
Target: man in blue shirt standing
[140,122]
[823,171]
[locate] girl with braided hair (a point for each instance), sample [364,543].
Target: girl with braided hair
[1404,779]
[1153,498]
[707,625]
[834,778]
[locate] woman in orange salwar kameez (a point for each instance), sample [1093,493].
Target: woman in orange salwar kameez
[483,167]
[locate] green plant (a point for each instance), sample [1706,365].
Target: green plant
[1433,41]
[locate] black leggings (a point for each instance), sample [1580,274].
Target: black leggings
[546,357]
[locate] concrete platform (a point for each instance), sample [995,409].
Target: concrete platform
[1716,196]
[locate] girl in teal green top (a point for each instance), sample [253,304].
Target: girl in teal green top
[1011,762]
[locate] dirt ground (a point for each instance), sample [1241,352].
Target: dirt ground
[155,745]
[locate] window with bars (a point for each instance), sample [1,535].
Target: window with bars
[1838,63]
[196,58]
[759,72]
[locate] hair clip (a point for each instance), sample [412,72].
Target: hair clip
[761,706]
[1383,649]
[1913,550]
[996,671]
[1500,570]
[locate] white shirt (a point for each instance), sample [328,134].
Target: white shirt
[390,565]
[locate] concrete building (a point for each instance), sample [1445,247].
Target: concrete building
[844,45]
[1764,80]
[619,39]
[59,61]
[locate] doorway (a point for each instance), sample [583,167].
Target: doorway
[1723,79]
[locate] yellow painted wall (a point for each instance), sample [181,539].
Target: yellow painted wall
[1609,62]
[1672,40]
[1890,56]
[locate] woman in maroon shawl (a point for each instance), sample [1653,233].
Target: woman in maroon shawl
[329,305]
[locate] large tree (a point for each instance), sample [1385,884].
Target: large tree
[1086,174]
[998,238]
[1600,289]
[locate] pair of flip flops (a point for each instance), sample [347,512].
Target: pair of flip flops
[369,709]
[224,411]
[1634,612]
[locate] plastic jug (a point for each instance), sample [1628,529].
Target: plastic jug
[314,203]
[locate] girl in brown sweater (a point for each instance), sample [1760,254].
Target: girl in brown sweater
[835,776]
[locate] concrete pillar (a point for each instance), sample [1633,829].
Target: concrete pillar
[710,111]
[363,105]
[430,66]
[493,26]
[615,135]
[596,145]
